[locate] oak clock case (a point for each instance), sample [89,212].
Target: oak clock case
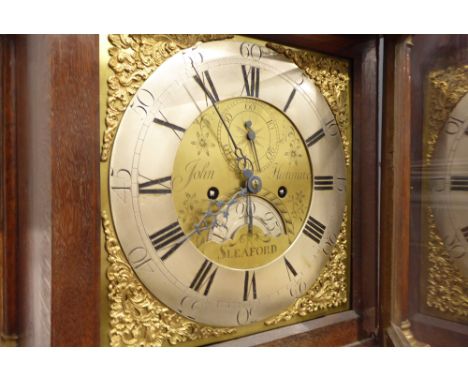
[227,184]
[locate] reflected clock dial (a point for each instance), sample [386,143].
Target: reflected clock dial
[449,185]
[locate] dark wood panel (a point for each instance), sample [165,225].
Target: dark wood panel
[387,179]
[74,65]
[335,330]
[395,191]
[401,180]
[365,186]
[334,334]
[8,197]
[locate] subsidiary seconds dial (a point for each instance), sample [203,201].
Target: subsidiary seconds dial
[256,126]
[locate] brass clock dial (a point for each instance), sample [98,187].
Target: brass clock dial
[205,163]
[449,185]
[227,183]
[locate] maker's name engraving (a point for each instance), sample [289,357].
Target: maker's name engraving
[280,173]
[195,170]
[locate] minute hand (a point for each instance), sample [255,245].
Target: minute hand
[251,138]
[237,150]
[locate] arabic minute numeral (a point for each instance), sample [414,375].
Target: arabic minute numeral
[142,102]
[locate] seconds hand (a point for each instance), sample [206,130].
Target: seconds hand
[251,138]
[237,150]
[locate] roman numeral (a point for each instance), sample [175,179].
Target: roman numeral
[288,102]
[289,268]
[459,183]
[213,95]
[322,183]
[168,124]
[210,83]
[250,285]
[464,231]
[204,278]
[144,188]
[315,137]
[251,80]
[314,229]
[168,236]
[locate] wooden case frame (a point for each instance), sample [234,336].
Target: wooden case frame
[54,103]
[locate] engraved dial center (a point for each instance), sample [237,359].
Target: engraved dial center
[258,226]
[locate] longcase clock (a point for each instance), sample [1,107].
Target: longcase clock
[229,199]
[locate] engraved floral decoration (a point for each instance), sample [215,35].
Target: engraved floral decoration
[191,207]
[298,202]
[203,142]
[446,289]
[294,152]
[137,318]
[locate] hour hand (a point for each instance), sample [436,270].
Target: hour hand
[249,214]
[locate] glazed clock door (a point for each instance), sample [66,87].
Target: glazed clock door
[235,183]
[430,295]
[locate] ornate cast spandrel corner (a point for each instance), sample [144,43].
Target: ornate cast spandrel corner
[446,291]
[331,76]
[132,59]
[445,88]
